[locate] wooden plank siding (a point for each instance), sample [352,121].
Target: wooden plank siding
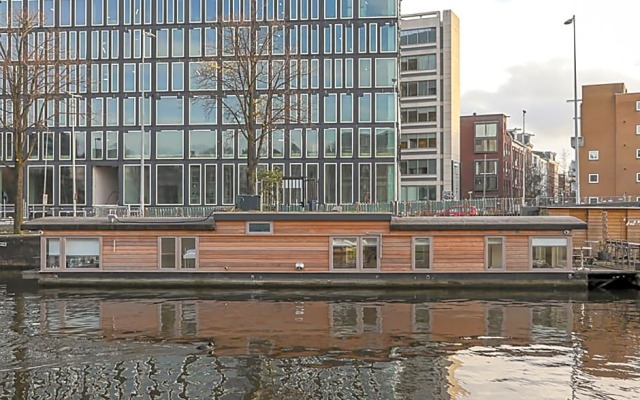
[623,223]
[463,251]
[229,249]
[129,252]
[329,227]
[263,253]
[594,232]
[396,253]
[517,253]
[458,253]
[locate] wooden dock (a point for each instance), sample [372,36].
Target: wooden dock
[619,271]
[607,279]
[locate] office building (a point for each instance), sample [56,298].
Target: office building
[137,67]
[430,106]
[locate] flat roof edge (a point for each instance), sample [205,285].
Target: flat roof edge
[302,216]
[480,227]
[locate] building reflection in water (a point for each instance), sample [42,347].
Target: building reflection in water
[145,348]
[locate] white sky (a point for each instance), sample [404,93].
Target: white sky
[518,54]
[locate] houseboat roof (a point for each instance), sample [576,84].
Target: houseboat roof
[634,205]
[191,223]
[302,216]
[396,223]
[117,224]
[474,223]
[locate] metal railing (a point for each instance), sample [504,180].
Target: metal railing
[475,206]
[623,254]
[470,207]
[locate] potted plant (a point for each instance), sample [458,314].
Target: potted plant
[603,252]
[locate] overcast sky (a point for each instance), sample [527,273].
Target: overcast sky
[518,54]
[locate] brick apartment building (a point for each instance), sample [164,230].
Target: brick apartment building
[609,165]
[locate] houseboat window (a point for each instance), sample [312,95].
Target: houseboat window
[185,247]
[82,252]
[422,253]
[345,252]
[81,315]
[189,252]
[167,252]
[353,319]
[259,228]
[168,317]
[344,320]
[356,253]
[369,253]
[53,253]
[188,319]
[495,253]
[549,252]
[494,321]
[371,319]
[421,318]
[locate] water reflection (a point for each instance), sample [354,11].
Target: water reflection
[93,344]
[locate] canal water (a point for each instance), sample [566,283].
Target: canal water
[318,344]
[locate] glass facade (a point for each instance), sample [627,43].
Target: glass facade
[136,65]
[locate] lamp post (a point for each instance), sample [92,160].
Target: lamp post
[572,21]
[524,158]
[396,131]
[45,155]
[484,178]
[144,35]
[74,116]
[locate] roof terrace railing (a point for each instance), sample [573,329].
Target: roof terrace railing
[405,208]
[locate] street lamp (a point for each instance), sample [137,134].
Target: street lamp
[524,158]
[484,178]
[45,155]
[396,131]
[74,116]
[572,21]
[142,107]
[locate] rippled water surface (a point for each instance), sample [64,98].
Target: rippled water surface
[96,344]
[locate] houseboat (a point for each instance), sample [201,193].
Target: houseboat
[305,249]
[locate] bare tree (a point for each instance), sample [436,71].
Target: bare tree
[34,73]
[259,78]
[535,181]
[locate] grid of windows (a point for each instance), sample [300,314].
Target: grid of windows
[418,36]
[486,137]
[422,62]
[419,141]
[418,88]
[161,47]
[419,114]
[418,167]
[486,175]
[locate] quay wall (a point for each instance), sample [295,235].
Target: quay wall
[19,251]
[550,281]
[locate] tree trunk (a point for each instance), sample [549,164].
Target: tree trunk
[252,164]
[19,201]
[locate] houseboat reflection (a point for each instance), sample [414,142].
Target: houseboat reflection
[374,330]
